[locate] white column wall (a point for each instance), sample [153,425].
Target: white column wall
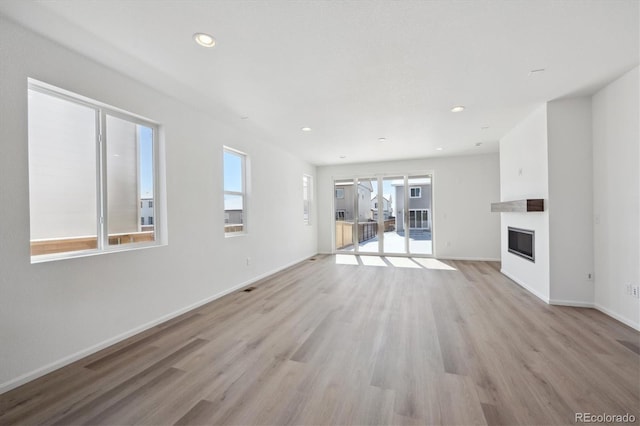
[524,174]
[616,195]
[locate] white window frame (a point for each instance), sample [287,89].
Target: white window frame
[243,193]
[423,220]
[307,183]
[419,192]
[101,111]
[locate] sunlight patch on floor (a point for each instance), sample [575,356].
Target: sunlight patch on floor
[402,262]
[346,259]
[372,261]
[433,264]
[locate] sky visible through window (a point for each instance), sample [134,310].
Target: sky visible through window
[232,181]
[232,172]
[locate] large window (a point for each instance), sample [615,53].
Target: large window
[235,214]
[307,192]
[90,166]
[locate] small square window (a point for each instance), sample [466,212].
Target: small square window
[415,192]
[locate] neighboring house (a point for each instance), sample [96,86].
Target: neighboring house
[419,204]
[146,214]
[345,201]
[233,217]
[386,206]
[233,211]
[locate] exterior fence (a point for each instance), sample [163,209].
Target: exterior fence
[366,231]
[62,245]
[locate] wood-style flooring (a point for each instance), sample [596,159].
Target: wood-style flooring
[330,343]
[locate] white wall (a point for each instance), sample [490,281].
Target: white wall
[570,201]
[54,312]
[616,191]
[524,174]
[463,189]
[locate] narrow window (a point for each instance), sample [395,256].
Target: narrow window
[234,192]
[90,167]
[307,198]
[130,177]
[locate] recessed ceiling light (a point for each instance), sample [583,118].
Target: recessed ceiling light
[204,40]
[478,143]
[306,129]
[343,156]
[439,148]
[382,139]
[457,108]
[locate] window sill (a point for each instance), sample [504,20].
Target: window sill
[235,234]
[44,258]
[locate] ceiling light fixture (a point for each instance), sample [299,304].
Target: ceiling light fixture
[382,139]
[343,156]
[439,148]
[457,108]
[204,40]
[306,129]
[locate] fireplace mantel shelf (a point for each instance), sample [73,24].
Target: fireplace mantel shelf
[528,205]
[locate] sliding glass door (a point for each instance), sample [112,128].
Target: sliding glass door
[384,215]
[419,223]
[367,218]
[344,208]
[393,241]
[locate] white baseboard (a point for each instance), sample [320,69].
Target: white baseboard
[526,287]
[630,323]
[473,259]
[39,372]
[573,303]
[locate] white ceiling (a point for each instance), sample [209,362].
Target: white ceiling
[355,71]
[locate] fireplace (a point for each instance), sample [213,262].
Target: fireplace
[522,243]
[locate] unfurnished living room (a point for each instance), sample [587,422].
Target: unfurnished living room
[356,212]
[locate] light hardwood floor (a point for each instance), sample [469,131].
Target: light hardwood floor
[327,343]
